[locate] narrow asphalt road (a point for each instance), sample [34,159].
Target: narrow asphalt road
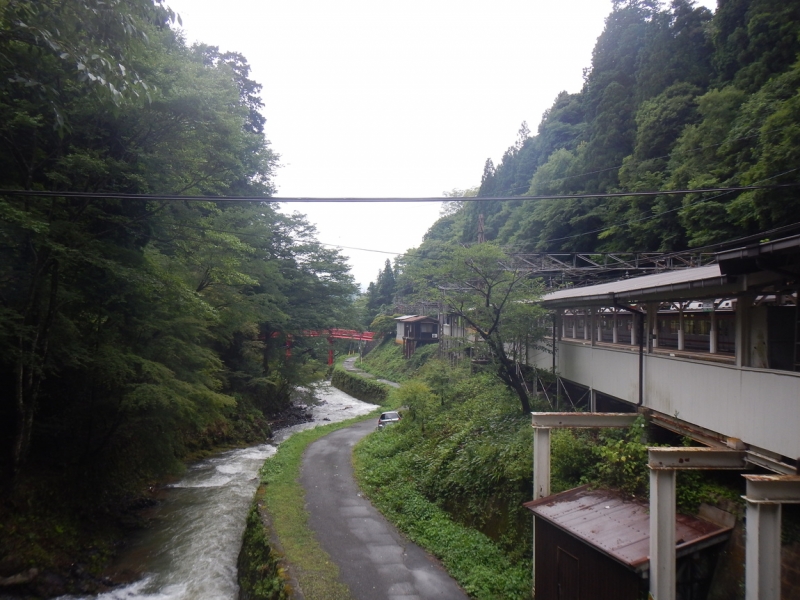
[375,561]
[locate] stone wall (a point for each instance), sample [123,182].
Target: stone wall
[261,573]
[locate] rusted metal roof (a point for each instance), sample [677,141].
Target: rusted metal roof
[416,319]
[619,527]
[697,282]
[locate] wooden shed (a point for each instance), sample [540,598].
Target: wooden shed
[416,331]
[594,544]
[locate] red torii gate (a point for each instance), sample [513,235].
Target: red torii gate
[331,334]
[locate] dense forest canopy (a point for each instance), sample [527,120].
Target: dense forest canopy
[133,332]
[675,98]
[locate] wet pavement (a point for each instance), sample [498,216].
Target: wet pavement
[375,561]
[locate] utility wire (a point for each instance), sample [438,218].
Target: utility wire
[295,200]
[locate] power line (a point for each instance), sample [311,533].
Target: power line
[365,200]
[362,249]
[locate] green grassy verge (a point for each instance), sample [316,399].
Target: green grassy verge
[284,500]
[387,361]
[471,557]
[366,390]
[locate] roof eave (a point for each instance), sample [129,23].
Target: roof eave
[714,286]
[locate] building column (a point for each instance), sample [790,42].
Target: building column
[541,462]
[574,325]
[614,332]
[598,321]
[587,326]
[652,319]
[681,325]
[662,534]
[712,334]
[592,400]
[765,496]
[664,463]
[763,552]
[541,482]
[742,326]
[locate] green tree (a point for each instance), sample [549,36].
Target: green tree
[381,293]
[91,41]
[496,299]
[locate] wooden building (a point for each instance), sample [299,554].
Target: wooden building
[416,330]
[594,545]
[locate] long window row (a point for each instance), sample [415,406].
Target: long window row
[772,326]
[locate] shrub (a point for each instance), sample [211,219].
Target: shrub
[366,390]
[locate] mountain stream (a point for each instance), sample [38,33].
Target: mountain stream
[190,549]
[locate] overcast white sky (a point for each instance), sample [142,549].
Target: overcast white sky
[370,98]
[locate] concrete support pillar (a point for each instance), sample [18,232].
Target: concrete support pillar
[592,400]
[763,552]
[614,332]
[587,326]
[663,463]
[541,462]
[742,330]
[599,326]
[541,482]
[681,325]
[712,334]
[662,534]
[563,324]
[652,320]
[574,325]
[765,496]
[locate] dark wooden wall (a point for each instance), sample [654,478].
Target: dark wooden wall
[568,569]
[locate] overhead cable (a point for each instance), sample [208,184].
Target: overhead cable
[310,200]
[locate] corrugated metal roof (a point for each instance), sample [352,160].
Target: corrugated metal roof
[416,319]
[617,526]
[629,290]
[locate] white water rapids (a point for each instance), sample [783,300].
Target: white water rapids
[189,551]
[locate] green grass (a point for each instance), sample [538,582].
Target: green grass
[478,564]
[284,499]
[386,361]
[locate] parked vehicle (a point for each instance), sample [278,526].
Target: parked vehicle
[388,418]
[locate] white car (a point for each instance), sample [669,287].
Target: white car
[388,418]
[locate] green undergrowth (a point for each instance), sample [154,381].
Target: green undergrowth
[284,501]
[453,476]
[259,570]
[366,390]
[477,563]
[617,459]
[386,361]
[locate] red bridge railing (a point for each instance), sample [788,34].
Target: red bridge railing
[330,334]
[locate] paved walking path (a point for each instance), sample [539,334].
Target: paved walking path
[375,561]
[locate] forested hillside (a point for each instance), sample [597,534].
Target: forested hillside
[134,332]
[675,98]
